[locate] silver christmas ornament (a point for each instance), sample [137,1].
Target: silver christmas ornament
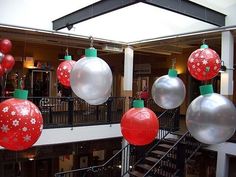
[97,101]
[211,117]
[1,56]
[91,77]
[169,91]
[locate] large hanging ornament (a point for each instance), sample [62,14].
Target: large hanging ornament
[8,62]
[5,46]
[91,77]
[1,56]
[1,71]
[204,63]
[169,91]
[64,69]
[139,125]
[21,122]
[211,117]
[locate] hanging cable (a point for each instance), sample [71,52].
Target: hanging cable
[91,42]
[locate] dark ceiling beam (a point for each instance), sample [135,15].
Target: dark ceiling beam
[191,9]
[91,11]
[183,7]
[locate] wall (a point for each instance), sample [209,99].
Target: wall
[77,134]
[41,53]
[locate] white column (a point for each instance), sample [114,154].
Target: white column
[128,85]
[227,55]
[222,166]
[128,69]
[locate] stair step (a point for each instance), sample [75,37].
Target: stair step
[159,153]
[151,159]
[136,173]
[144,166]
[164,173]
[167,146]
[170,140]
[167,164]
[178,133]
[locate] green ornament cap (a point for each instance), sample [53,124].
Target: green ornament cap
[204,46]
[138,103]
[206,89]
[21,94]
[91,52]
[68,57]
[172,73]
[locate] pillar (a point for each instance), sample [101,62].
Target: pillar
[222,165]
[128,75]
[127,90]
[227,55]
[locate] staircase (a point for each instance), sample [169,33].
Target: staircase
[167,158]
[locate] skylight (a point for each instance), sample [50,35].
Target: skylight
[138,22]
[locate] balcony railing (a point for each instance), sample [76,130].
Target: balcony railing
[72,111]
[60,112]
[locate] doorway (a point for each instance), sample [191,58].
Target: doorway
[40,83]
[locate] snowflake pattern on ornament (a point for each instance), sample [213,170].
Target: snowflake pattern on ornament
[24,129]
[25,112]
[27,138]
[13,113]
[5,109]
[33,121]
[15,123]
[5,128]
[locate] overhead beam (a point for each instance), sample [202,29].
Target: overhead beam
[191,9]
[184,7]
[91,11]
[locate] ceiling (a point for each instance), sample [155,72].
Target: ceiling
[174,39]
[161,46]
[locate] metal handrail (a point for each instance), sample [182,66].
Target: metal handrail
[165,155]
[95,168]
[92,168]
[186,160]
[168,132]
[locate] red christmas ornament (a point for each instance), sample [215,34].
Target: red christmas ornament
[8,62]
[63,71]
[204,63]
[1,71]
[21,122]
[139,125]
[5,46]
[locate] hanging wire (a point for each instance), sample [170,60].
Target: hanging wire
[91,41]
[173,63]
[67,51]
[204,41]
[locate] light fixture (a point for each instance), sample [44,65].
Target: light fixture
[29,63]
[69,26]
[112,48]
[223,68]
